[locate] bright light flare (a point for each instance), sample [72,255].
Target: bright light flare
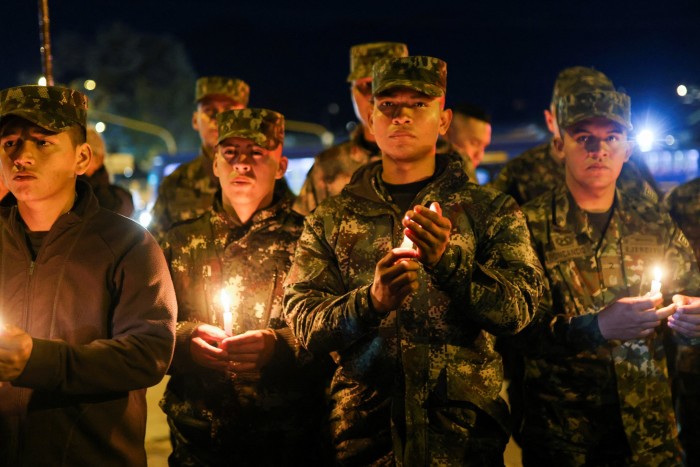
[100,127]
[42,81]
[645,140]
[89,84]
[682,90]
[145,219]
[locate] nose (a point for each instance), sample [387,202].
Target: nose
[596,147]
[401,115]
[22,154]
[242,163]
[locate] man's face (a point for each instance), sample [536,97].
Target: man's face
[39,165]
[204,118]
[247,172]
[594,151]
[470,136]
[361,91]
[406,124]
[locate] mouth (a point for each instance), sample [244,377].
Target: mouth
[597,167]
[23,176]
[401,134]
[241,180]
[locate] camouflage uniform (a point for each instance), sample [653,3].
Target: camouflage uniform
[589,400]
[429,367]
[357,150]
[214,419]
[189,191]
[683,204]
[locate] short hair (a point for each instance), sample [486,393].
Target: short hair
[470,110]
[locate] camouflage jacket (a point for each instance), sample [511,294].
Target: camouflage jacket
[250,261]
[579,385]
[683,203]
[185,194]
[358,149]
[536,171]
[439,345]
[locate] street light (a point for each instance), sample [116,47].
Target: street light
[139,125]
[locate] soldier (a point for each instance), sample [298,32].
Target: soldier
[683,204]
[110,196]
[188,192]
[86,301]
[242,391]
[418,379]
[361,148]
[470,134]
[538,170]
[596,384]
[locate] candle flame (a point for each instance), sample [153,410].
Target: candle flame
[658,273]
[225,300]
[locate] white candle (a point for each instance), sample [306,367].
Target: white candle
[656,283]
[228,316]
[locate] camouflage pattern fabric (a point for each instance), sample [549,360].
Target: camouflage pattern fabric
[423,74]
[683,204]
[427,369]
[347,155]
[536,171]
[578,79]
[233,88]
[50,107]
[363,56]
[585,394]
[187,193]
[214,418]
[262,126]
[573,108]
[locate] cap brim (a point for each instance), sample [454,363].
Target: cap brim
[57,124]
[425,88]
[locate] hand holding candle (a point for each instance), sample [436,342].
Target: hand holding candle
[407,243]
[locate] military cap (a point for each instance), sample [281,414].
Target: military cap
[51,107]
[234,88]
[264,127]
[363,56]
[578,79]
[572,108]
[424,74]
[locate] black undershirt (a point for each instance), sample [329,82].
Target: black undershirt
[34,241]
[403,195]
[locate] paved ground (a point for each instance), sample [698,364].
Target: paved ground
[158,442]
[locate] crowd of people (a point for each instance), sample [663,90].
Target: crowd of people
[374,318]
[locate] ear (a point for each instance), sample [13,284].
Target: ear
[83,154]
[370,120]
[445,120]
[628,151]
[282,167]
[195,124]
[215,166]
[558,144]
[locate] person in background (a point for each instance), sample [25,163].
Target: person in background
[418,380]
[596,386]
[109,195]
[538,170]
[188,191]
[242,391]
[321,181]
[469,134]
[683,204]
[86,302]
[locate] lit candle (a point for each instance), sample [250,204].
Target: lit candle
[228,316]
[656,283]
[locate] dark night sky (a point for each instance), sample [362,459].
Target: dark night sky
[501,55]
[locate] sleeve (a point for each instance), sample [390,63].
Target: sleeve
[319,309]
[138,351]
[504,281]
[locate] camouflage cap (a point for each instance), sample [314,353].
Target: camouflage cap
[363,56]
[579,79]
[234,88]
[424,74]
[264,127]
[613,105]
[50,107]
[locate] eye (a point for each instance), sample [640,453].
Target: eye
[420,104]
[583,139]
[386,104]
[613,138]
